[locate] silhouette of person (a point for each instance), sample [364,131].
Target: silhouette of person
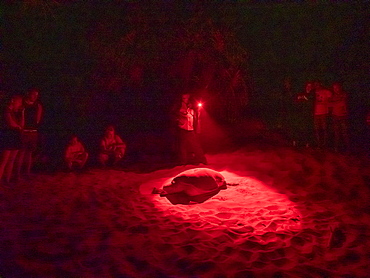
[321,112]
[187,117]
[32,118]
[338,103]
[10,138]
[302,117]
[112,147]
[75,154]
[285,107]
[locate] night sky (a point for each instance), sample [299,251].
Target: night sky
[117,63]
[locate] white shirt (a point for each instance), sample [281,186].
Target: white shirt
[186,117]
[322,102]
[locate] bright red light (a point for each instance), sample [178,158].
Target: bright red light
[199,104]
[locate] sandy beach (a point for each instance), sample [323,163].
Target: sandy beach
[285,213]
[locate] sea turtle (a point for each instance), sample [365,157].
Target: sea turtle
[194,185]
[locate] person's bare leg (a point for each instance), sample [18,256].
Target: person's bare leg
[103,158]
[28,162]
[345,135]
[197,150]
[184,146]
[336,136]
[84,159]
[19,163]
[10,165]
[69,164]
[117,158]
[4,160]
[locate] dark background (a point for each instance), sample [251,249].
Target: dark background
[91,71]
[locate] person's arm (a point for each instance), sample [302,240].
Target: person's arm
[345,103]
[82,148]
[173,112]
[103,146]
[39,113]
[10,121]
[67,153]
[119,142]
[120,145]
[183,111]
[22,118]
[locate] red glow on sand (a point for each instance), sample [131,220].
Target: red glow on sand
[248,205]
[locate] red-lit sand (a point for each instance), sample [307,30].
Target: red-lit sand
[277,222]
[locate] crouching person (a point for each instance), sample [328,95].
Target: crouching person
[112,148]
[75,155]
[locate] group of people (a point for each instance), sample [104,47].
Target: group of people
[111,150]
[327,110]
[186,115]
[22,117]
[19,135]
[19,138]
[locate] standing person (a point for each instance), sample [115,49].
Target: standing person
[321,112]
[10,136]
[367,131]
[112,147]
[285,107]
[32,118]
[75,154]
[288,109]
[302,116]
[338,103]
[187,116]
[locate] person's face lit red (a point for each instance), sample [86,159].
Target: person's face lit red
[16,103]
[337,88]
[109,132]
[185,98]
[74,140]
[317,85]
[309,87]
[33,96]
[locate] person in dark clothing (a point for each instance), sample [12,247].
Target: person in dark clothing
[10,136]
[321,114]
[33,111]
[339,113]
[285,107]
[302,117]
